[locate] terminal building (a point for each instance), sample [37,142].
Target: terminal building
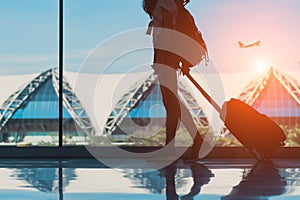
[29,112]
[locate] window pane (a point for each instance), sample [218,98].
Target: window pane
[97,84]
[29,60]
[116,97]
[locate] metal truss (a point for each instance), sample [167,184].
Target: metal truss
[254,89]
[18,98]
[191,104]
[73,105]
[291,85]
[134,95]
[127,102]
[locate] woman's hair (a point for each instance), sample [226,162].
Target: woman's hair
[149,6]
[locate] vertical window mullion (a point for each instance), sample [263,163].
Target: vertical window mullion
[60,73]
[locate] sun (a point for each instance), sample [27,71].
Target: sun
[261,67]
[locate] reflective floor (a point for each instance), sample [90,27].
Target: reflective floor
[91,180]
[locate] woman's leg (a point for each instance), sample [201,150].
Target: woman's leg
[175,109]
[167,77]
[188,122]
[171,105]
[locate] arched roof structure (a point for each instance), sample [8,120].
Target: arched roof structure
[38,100]
[137,102]
[275,94]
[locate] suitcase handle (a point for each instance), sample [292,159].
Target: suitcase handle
[207,96]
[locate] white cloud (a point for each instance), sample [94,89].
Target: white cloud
[14,58]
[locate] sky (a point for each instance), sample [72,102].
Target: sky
[28,36]
[109,36]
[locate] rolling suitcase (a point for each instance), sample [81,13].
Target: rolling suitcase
[257,132]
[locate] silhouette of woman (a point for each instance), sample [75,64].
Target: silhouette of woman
[165,64]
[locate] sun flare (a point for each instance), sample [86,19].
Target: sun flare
[261,67]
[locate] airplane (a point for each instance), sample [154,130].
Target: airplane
[250,44]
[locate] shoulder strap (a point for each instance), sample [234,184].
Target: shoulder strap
[150,28]
[182,2]
[186,2]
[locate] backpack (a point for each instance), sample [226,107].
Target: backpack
[185,24]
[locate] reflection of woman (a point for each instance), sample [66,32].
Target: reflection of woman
[261,182]
[201,176]
[163,14]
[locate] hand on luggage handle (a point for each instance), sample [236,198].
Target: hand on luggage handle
[203,92]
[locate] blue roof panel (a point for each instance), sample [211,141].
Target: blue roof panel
[44,104]
[151,105]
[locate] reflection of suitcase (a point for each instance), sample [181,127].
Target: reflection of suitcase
[262,181]
[261,135]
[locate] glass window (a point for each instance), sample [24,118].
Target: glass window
[110,92]
[115,94]
[99,63]
[29,61]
